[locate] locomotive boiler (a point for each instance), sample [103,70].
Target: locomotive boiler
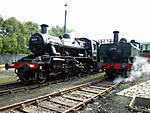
[56,55]
[117,57]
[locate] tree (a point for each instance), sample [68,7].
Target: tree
[10,30]
[31,27]
[1,24]
[26,30]
[15,35]
[22,44]
[58,30]
[1,38]
[1,44]
[10,26]
[10,45]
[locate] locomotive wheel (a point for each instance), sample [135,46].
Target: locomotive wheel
[110,74]
[23,76]
[41,77]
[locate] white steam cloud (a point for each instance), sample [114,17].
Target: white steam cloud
[140,68]
[118,79]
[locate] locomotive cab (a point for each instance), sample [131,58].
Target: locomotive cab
[91,48]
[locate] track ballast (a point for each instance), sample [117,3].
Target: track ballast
[69,100]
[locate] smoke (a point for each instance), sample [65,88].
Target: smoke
[118,79]
[140,68]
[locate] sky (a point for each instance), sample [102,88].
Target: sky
[94,19]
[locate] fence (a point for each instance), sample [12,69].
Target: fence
[10,58]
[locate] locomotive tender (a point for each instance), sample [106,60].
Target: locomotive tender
[117,57]
[54,55]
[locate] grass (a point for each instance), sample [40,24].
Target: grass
[6,77]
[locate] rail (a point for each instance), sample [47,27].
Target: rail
[64,101]
[19,86]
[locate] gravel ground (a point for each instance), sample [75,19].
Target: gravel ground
[113,103]
[28,94]
[109,103]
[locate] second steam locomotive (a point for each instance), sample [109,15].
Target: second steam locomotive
[118,57]
[72,56]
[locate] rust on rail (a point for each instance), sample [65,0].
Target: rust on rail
[90,99]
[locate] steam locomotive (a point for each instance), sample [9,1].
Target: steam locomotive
[54,55]
[118,57]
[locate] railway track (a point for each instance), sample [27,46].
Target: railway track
[19,86]
[15,87]
[65,101]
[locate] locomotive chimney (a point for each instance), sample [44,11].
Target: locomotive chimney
[44,28]
[116,36]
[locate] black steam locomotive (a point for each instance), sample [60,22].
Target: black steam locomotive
[54,55]
[118,57]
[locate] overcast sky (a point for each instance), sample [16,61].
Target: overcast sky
[95,19]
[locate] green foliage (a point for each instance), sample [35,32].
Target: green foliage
[10,26]
[22,44]
[31,28]
[10,44]
[14,35]
[58,30]
[1,44]
[1,22]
